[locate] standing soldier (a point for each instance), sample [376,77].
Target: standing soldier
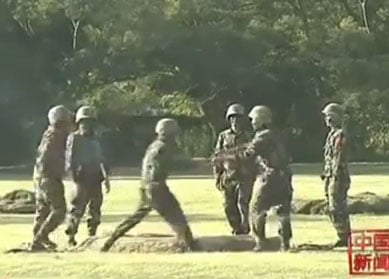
[273,187]
[336,176]
[48,174]
[233,177]
[154,192]
[88,169]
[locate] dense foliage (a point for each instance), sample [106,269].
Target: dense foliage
[193,58]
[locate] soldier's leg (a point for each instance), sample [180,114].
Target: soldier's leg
[230,204]
[337,207]
[94,208]
[258,208]
[244,196]
[42,209]
[77,209]
[283,212]
[54,191]
[131,221]
[41,213]
[166,204]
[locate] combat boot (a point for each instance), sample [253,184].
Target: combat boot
[285,246]
[48,243]
[36,246]
[72,241]
[260,245]
[92,231]
[341,243]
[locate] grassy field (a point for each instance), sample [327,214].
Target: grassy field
[202,204]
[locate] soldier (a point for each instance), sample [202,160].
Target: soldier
[154,192]
[233,177]
[336,176]
[48,174]
[273,187]
[86,162]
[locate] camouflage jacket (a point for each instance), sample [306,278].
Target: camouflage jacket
[157,162]
[268,150]
[50,160]
[335,154]
[231,169]
[84,154]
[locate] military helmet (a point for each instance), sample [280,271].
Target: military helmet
[166,126]
[333,109]
[235,109]
[59,113]
[262,114]
[85,112]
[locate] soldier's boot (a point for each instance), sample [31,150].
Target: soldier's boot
[48,243]
[184,235]
[285,232]
[342,227]
[37,246]
[259,232]
[72,241]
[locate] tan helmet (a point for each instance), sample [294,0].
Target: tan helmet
[235,109]
[85,112]
[262,115]
[59,113]
[166,126]
[333,109]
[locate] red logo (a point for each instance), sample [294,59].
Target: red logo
[368,252]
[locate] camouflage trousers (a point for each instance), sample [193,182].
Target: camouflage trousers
[50,207]
[273,188]
[336,197]
[155,196]
[236,199]
[86,194]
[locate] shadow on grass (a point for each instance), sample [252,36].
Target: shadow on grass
[109,218]
[14,219]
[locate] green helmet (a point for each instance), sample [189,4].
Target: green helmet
[85,112]
[235,109]
[166,126]
[59,113]
[262,115]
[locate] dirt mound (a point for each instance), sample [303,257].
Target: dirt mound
[168,244]
[18,202]
[363,203]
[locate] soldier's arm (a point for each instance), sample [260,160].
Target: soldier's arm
[48,147]
[253,148]
[70,156]
[217,167]
[340,153]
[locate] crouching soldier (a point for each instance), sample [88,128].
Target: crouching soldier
[49,170]
[154,192]
[86,163]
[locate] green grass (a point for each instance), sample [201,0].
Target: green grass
[202,204]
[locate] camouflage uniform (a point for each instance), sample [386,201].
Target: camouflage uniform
[235,179]
[49,189]
[155,194]
[337,181]
[84,156]
[273,186]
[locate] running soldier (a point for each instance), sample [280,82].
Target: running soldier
[154,192]
[88,169]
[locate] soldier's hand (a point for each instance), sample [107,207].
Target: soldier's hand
[107,185]
[322,177]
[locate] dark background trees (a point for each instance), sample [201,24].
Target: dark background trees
[192,58]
